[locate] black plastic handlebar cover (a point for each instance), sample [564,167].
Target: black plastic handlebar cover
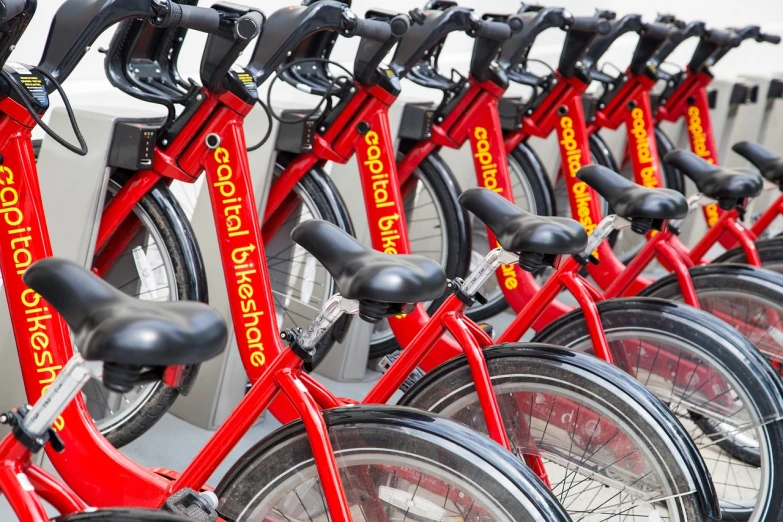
[490,36]
[579,37]
[516,48]
[375,30]
[713,46]
[652,37]
[224,46]
[193,17]
[76,26]
[498,31]
[289,27]
[693,29]
[425,37]
[11,8]
[631,23]
[374,47]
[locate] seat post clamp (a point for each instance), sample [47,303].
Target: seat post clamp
[583,258]
[15,419]
[291,337]
[456,284]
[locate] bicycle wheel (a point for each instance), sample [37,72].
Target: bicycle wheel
[437,228]
[160,263]
[748,298]
[395,464]
[606,447]
[300,284]
[770,252]
[713,380]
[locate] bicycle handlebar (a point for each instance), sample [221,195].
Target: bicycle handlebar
[499,31]
[201,19]
[684,32]
[11,8]
[631,23]
[589,24]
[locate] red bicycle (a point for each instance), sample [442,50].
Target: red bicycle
[375,285]
[341,463]
[469,116]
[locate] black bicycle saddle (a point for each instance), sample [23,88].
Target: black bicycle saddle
[113,327]
[522,232]
[647,207]
[728,186]
[366,275]
[770,165]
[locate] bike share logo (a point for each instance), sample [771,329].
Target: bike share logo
[485,160]
[699,147]
[573,162]
[37,315]
[643,154]
[488,167]
[245,272]
[387,224]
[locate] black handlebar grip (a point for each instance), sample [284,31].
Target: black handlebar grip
[11,8]
[498,31]
[657,31]
[373,30]
[590,24]
[399,25]
[201,19]
[723,38]
[769,38]
[248,26]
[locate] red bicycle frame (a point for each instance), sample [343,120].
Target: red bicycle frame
[44,344]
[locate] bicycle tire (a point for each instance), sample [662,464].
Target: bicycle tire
[527,378]
[454,223]
[770,253]
[732,291]
[382,437]
[173,228]
[722,364]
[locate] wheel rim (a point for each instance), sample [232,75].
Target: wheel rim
[692,379]
[424,219]
[596,471]
[154,281]
[759,320]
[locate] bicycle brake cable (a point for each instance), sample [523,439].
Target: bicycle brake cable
[339,81]
[68,109]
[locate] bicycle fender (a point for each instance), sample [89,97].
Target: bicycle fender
[180,227]
[675,432]
[484,447]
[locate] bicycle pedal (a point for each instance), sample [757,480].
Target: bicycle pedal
[488,329]
[413,378]
[190,504]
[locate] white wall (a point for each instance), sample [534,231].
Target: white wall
[88,85]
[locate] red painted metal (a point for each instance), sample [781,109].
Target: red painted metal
[768,216]
[56,493]
[318,435]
